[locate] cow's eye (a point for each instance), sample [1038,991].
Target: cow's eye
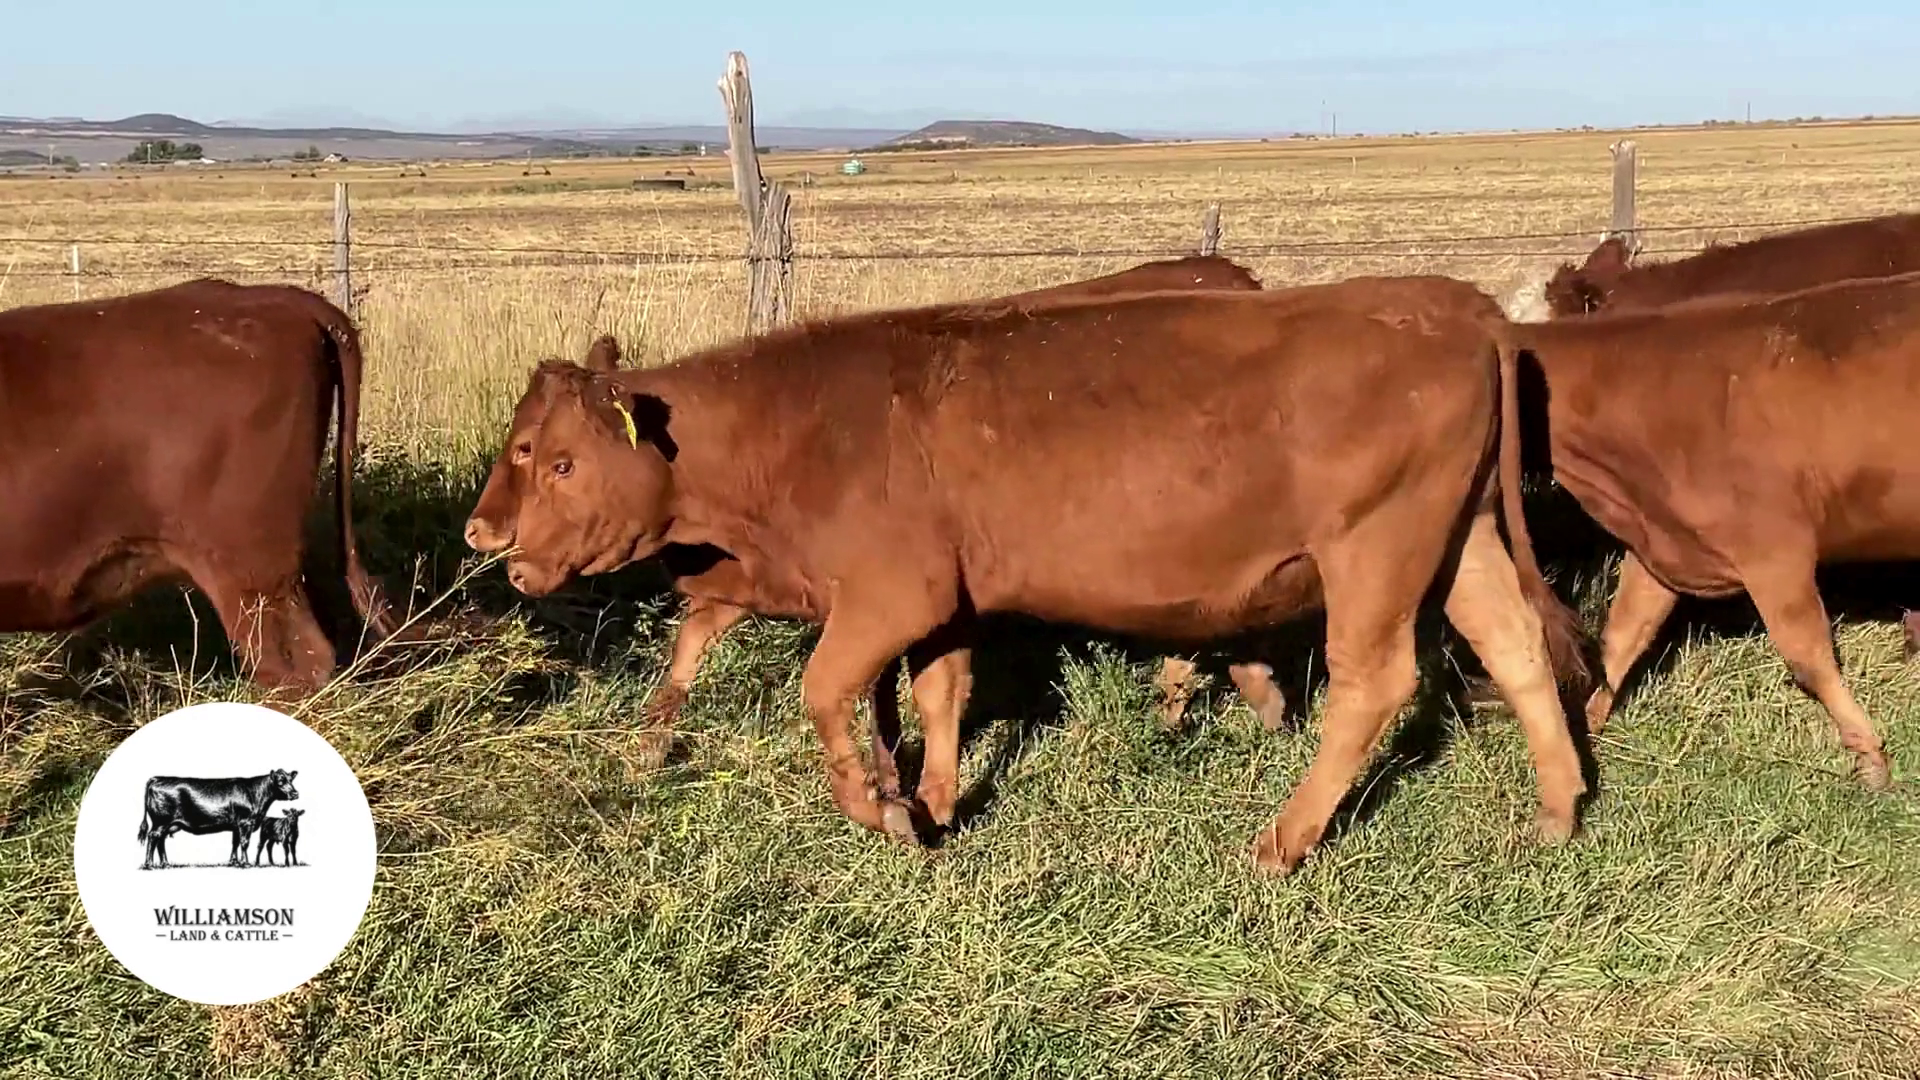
[562,467]
[522,453]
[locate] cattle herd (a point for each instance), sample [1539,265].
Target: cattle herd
[1173,453]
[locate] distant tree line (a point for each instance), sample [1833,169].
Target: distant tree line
[163,150]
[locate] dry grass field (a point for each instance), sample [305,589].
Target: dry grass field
[1735,908]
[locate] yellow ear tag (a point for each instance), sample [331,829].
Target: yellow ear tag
[633,436]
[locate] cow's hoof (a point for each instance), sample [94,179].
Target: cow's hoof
[897,818]
[1872,772]
[1552,827]
[1270,857]
[1599,708]
[650,748]
[1273,714]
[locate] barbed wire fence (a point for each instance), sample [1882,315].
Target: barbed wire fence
[1435,246]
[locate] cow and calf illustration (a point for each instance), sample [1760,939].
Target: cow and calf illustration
[200,806]
[1174,453]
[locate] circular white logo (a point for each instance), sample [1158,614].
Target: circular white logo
[224,853]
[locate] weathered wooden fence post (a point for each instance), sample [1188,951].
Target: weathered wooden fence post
[767,206]
[342,244]
[1626,168]
[73,268]
[1210,231]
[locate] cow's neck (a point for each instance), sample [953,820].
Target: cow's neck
[722,493]
[261,788]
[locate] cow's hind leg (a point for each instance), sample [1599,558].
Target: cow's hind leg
[272,629]
[1372,596]
[1640,606]
[942,684]
[1261,693]
[885,699]
[1253,681]
[1175,683]
[1486,605]
[1789,603]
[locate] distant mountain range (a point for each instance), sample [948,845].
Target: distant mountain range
[956,134]
[111,140]
[24,140]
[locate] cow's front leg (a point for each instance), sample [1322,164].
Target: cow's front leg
[705,622]
[858,642]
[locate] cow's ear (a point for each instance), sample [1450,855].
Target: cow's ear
[604,356]
[549,376]
[649,416]
[291,773]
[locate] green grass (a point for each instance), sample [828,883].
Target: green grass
[1735,906]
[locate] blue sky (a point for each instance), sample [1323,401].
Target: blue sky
[1379,65]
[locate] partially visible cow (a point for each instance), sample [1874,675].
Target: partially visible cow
[721,592]
[1735,443]
[1164,275]
[200,806]
[1174,465]
[1777,263]
[283,831]
[177,433]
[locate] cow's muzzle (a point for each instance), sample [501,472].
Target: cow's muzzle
[483,537]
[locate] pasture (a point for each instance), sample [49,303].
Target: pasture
[1734,907]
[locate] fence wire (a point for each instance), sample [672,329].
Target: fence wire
[522,257]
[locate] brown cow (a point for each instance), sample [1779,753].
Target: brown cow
[1177,465]
[177,433]
[720,593]
[1735,443]
[1779,263]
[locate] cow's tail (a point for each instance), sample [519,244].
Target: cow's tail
[1566,636]
[368,598]
[146,818]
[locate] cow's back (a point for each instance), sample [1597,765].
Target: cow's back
[1167,275]
[1778,263]
[1184,441]
[1673,425]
